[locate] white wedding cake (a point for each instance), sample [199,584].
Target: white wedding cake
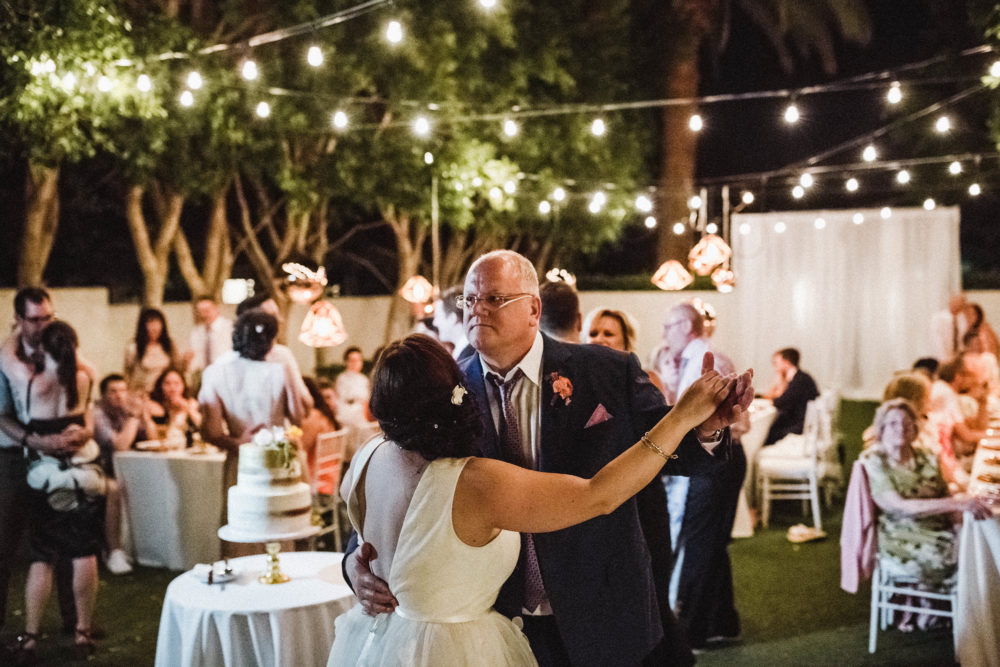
[269,499]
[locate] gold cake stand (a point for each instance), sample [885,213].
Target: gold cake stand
[272,573]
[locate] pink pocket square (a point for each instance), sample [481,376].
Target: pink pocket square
[600,416]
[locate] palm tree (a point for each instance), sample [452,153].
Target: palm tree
[800,28]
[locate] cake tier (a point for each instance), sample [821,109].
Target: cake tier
[266,466]
[275,510]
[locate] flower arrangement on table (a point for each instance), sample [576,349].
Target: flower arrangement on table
[285,440]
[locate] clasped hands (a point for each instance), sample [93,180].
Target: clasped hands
[732,408]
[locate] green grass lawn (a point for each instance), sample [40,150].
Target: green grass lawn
[788,595]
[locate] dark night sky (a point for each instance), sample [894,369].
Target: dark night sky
[739,137]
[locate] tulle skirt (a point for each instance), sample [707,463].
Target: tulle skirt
[391,640]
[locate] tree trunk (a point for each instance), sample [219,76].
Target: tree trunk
[218,261]
[41,219]
[678,152]
[154,257]
[410,236]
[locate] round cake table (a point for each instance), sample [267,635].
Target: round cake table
[243,622]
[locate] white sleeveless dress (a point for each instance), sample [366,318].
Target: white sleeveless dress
[445,588]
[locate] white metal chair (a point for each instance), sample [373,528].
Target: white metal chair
[329,462]
[885,585]
[792,468]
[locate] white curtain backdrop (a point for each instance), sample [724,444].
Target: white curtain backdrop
[855,299]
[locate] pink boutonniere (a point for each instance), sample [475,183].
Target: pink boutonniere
[561,387]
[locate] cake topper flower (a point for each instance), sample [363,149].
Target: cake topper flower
[561,388]
[280,438]
[458,394]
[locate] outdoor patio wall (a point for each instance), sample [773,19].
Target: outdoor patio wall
[105,329]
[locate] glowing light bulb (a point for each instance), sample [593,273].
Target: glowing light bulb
[869,153]
[852,185]
[594,207]
[643,204]
[806,180]
[995,69]
[679,228]
[650,222]
[711,228]
[339,120]
[249,70]
[798,192]
[955,168]
[747,197]
[194,81]
[421,126]
[598,127]
[559,194]
[496,194]
[394,32]
[902,177]
[694,203]
[428,158]
[600,198]
[975,190]
[780,227]
[858,218]
[510,187]
[942,124]
[791,114]
[314,56]
[744,228]
[104,84]
[144,83]
[187,98]
[510,127]
[68,80]
[886,213]
[929,204]
[819,223]
[263,109]
[544,207]
[696,123]
[487,4]
[477,182]
[895,94]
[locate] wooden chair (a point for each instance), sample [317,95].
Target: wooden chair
[326,475]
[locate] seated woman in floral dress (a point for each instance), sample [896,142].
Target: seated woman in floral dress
[916,524]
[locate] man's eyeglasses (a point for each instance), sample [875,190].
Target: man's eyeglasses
[40,319]
[492,302]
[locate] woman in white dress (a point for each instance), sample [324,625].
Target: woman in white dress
[443,524]
[242,393]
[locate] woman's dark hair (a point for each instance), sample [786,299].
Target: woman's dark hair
[142,336]
[318,401]
[157,393]
[979,316]
[60,341]
[252,302]
[253,334]
[412,390]
[351,350]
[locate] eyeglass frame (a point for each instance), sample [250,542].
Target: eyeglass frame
[462,300]
[38,319]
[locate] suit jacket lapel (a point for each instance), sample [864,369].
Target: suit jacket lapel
[554,416]
[472,368]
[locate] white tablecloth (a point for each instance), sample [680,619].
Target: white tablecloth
[762,415]
[243,622]
[173,501]
[977,620]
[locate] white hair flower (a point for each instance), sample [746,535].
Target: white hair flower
[458,394]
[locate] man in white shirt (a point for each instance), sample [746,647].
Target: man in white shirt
[947,328]
[702,508]
[212,335]
[449,325]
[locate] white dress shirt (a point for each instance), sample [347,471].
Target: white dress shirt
[214,340]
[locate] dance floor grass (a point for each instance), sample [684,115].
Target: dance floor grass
[788,595]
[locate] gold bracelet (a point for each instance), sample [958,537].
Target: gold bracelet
[652,445]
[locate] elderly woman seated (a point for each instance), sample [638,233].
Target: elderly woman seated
[916,525]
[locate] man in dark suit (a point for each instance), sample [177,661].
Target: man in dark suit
[578,407]
[794,389]
[448,321]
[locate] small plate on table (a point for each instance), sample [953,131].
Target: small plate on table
[216,573]
[150,446]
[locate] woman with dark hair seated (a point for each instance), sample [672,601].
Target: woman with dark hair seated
[444,523]
[320,419]
[172,410]
[242,393]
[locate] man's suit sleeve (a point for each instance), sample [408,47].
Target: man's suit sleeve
[649,407]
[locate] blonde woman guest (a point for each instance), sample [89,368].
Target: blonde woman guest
[614,329]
